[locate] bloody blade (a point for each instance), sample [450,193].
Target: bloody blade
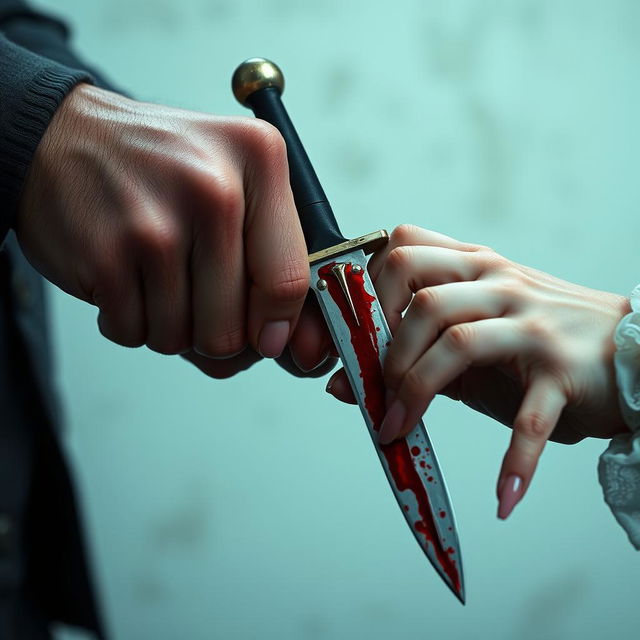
[358,327]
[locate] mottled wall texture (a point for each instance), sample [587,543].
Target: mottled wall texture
[255,507]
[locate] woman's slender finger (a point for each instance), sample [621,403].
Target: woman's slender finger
[411,235]
[482,343]
[537,417]
[410,269]
[432,310]
[488,390]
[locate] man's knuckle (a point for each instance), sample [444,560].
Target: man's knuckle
[154,235]
[266,142]
[227,198]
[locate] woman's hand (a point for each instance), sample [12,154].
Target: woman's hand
[528,349]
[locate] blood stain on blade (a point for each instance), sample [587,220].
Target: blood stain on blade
[399,458]
[363,337]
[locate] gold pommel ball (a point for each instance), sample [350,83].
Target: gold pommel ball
[254,74]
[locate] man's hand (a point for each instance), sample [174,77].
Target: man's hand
[179,226]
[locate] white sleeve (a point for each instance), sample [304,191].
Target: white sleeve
[619,466]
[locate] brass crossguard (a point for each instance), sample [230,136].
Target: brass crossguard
[369,243]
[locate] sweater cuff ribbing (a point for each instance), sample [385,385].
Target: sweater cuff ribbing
[25,117]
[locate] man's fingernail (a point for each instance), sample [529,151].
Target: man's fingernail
[306,369]
[325,356]
[273,338]
[392,423]
[510,494]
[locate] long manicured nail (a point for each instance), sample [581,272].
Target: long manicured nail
[331,382]
[392,423]
[273,338]
[510,494]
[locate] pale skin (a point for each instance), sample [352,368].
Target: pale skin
[179,226]
[526,348]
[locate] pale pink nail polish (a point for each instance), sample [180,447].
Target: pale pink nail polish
[392,423]
[510,494]
[273,338]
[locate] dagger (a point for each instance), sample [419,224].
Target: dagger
[348,301]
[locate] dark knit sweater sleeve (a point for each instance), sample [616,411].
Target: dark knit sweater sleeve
[31,89]
[45,35]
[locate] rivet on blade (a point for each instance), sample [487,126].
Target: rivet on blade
[321,284]
[339,270]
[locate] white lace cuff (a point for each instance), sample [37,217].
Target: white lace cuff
[619,467]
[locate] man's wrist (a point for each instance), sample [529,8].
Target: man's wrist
[33,89]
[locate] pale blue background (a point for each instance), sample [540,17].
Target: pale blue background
[255,507]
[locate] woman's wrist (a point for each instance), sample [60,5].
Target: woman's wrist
[627,362]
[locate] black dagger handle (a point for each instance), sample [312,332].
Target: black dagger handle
[258,84]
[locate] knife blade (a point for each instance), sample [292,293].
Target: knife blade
[359,329]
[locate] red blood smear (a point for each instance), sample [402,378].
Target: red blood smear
[365,344]
[423,464]
[442,514]
[415,451]
[363,338]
